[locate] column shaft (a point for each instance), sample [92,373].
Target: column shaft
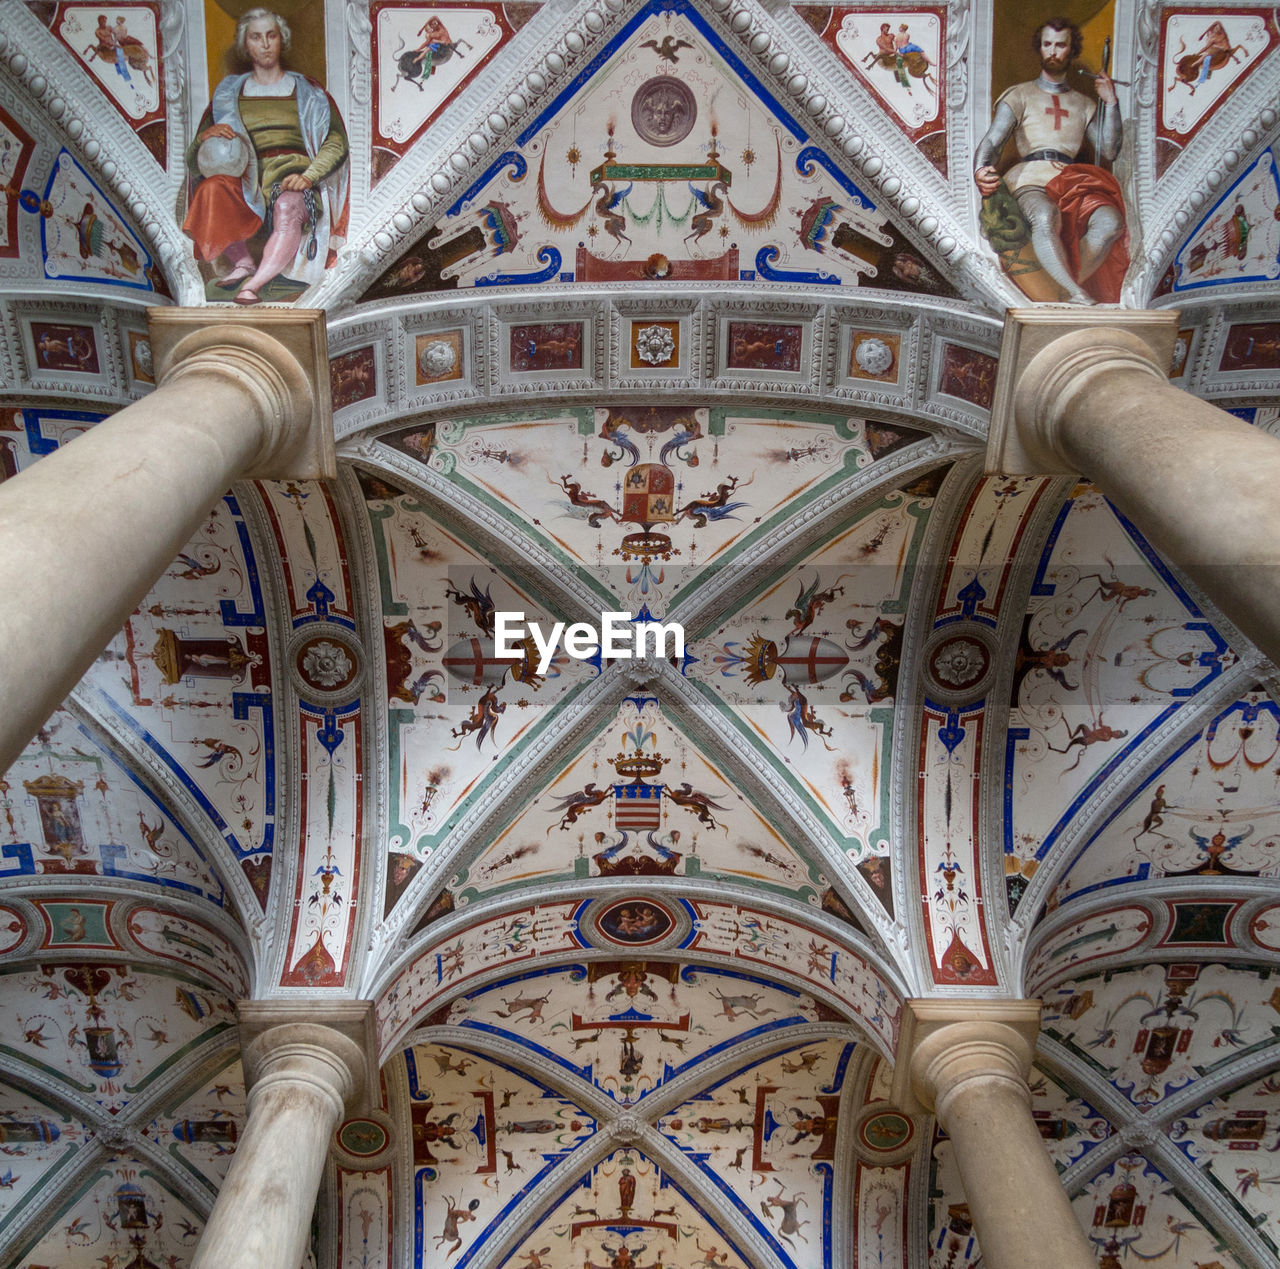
[87,531]
[971,1071]
[1019,1208]
[262,1217]
[1202,485]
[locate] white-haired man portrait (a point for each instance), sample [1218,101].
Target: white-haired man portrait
[269,173]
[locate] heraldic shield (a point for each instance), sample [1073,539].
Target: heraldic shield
[648,494]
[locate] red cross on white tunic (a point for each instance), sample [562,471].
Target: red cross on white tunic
[1058,113]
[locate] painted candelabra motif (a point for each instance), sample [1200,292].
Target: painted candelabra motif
[630,1026]
[627,1213]
[1131,1208]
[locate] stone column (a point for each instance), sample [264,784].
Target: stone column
[87,531]
[305,1062]
[967,1061]
[1089,394]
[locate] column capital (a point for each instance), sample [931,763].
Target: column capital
[281,356]
[333,1042]
[946,1042]
[1047,353]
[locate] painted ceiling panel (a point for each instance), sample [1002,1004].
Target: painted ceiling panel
[483,1137]
[189,679]
[1069,1126]
[1209,810]
[667,158]
[1238,239]
[627,1213]
[1110,648]
[1202,64]
[1227,1139]
[201,1133]
[454,708]
[745,939]
[460,40]
[641,800]
[638,499]
[121,1211]
[1131,1208]
[36,1138]
[707,385]
[808,668]
[1155,1030]
[1100,934]
[629,1027]
[73,807]
[767,1135]
[108,1031]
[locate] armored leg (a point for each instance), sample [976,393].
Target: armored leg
[1105,225]
[1046,241]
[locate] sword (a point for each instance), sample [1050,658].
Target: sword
[1080,70]
[1106,65]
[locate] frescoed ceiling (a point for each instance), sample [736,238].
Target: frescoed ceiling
[689,310]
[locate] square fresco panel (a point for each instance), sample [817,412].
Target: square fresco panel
[353,377]
[769,346]
[140,362]
[547,346]
[654,344]
[1252,346]
[81,924]
[968,374]
[874,355]
[1181,353]
[65,348]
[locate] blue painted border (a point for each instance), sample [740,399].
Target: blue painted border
[1181,288]
[148,264]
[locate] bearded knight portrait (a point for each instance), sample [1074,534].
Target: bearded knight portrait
[1056,216]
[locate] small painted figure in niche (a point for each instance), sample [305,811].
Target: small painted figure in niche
[269,173]
[1069,211]
[626,1192]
